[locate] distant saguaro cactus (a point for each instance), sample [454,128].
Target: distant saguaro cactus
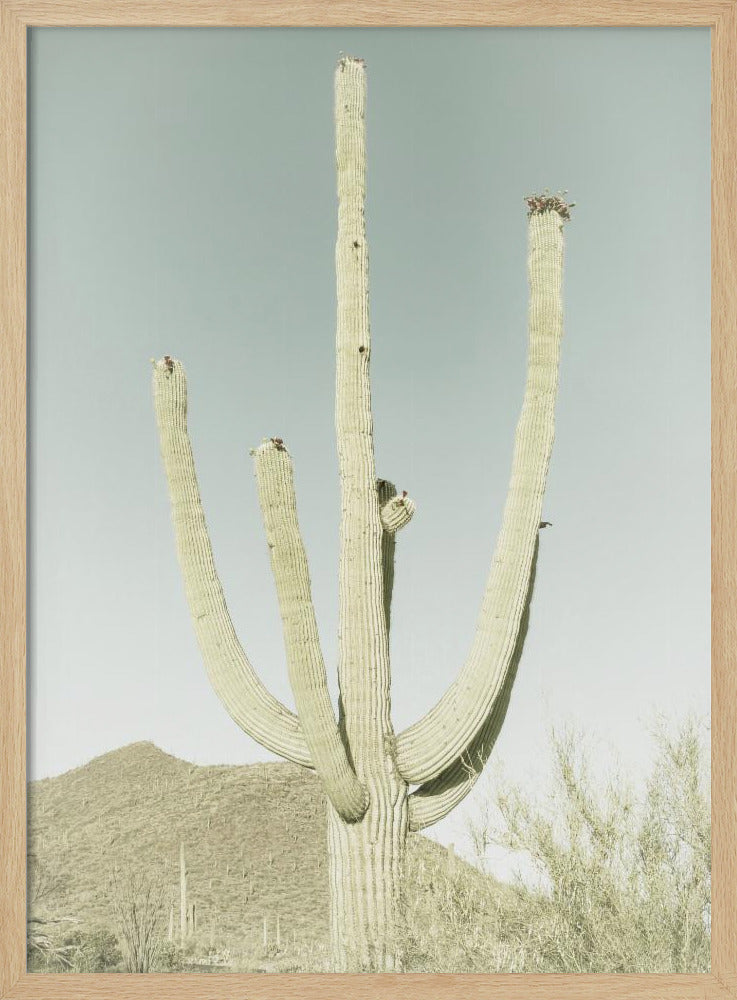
[366,768]
[182,896]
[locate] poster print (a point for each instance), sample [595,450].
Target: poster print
[183,192]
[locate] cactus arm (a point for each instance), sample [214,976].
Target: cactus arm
[275,478]
[432,801]
[429,746]
[396,510]
[386,491]
[246,699]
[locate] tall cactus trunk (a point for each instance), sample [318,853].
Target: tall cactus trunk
[365,857]
[366,769]
[366,868]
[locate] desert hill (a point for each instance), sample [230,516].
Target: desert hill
[255,846]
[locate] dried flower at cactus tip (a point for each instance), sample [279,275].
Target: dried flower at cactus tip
[278,444]
[404,494]
[344,60]
[546,524]
[546,202]
[169,363]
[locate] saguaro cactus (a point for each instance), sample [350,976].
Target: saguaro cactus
[182,896]
[366,769]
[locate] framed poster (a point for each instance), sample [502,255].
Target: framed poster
[182,207]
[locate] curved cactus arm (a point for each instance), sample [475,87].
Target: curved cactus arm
[246,699]
[429,746]
[275,478]
[395,510]
[433,801]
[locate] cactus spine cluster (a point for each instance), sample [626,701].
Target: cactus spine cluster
[366,768]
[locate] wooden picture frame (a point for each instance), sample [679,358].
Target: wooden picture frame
[16,16]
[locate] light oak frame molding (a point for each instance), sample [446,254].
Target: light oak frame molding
[16,16]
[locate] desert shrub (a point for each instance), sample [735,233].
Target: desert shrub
[53,947]
[169,958]
[138,904]
[94,950]
[624,881]
[45,950]
[453,918]
[42,882]
[307,956]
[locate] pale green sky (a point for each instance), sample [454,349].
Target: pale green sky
[182,197]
